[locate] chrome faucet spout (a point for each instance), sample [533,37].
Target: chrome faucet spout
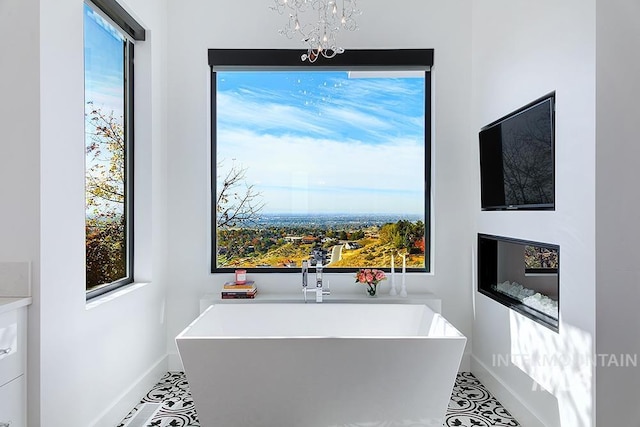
[320,290]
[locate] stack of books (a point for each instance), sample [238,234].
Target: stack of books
[246,290]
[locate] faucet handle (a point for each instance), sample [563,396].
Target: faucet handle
[305,272]
[319,277]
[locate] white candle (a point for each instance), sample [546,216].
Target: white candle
[393,266]
[393,276]
[403,289]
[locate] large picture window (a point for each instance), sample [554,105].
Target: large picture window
[108,53]
[326,164]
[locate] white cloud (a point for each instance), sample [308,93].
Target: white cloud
[325,175]
[354,117]
[244,113]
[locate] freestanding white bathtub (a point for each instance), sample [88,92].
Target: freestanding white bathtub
[320,365]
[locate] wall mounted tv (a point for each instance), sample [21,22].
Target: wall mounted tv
[517,159]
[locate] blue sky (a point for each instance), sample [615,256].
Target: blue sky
[104,62]
[104,83]
[318,141]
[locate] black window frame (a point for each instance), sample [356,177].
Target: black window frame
[352,59]
[123,21]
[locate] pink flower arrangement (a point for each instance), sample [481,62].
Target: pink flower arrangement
[371,277]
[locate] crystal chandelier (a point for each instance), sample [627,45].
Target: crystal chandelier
[318,22]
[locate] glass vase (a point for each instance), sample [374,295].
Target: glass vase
[372,289]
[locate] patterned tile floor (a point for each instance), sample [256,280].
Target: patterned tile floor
[471,405]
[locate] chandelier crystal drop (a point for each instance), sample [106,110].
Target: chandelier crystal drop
[317,22]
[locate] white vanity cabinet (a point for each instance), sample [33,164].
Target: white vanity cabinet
[13,362]
[13,403]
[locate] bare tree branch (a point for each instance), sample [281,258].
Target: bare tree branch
[237,202]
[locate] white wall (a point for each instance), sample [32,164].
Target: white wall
[444,26]
[87,358]
[618,203]
[522,51]
[20,150]
[19,162]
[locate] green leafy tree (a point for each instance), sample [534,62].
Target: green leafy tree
[403,234]
[357,235]
[387,233]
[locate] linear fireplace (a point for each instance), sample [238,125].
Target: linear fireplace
[522,275]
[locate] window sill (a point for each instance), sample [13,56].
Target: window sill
[115,294]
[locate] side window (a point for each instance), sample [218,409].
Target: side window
[108,71]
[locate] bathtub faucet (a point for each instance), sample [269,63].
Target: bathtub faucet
[319,290]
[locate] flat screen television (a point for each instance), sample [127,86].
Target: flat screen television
[517,159]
